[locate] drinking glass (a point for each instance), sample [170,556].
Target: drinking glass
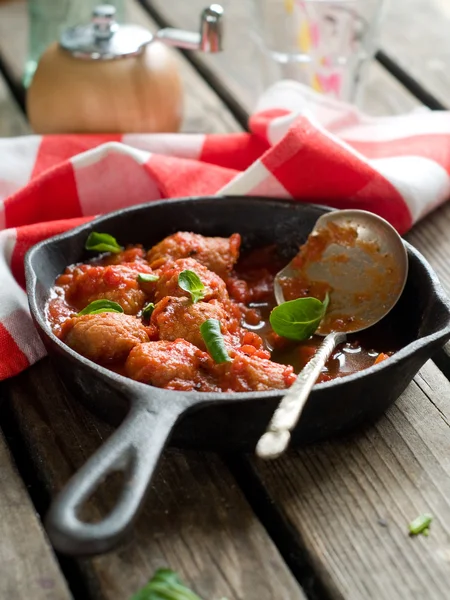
[48,19]
[322,43]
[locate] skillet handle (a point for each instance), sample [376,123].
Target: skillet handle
[135,449]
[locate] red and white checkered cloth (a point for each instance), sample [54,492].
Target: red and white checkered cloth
[302,145]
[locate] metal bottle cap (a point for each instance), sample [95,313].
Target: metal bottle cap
[104,39]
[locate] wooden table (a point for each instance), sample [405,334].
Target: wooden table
[326,522]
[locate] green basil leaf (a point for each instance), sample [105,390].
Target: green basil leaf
[212,336]
[298,319]
[147,310]
[147,277]
[191,282]
[102,242]
[165,585]
[420,525]
[100,306]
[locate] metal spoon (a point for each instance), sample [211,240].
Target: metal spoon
[366,279]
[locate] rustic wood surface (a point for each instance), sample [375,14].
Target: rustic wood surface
[342,507]
[415,34]
[12,121]
[27,563]
[431,237]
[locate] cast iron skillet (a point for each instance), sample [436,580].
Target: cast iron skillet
[148,415]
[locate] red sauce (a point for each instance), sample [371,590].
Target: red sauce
[360,352]
[165,349]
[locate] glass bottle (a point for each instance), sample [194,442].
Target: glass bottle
[47,20]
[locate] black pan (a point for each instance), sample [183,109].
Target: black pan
[148,416]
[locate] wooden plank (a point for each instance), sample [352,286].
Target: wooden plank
[195,521]
[28,566]
[382,94]
[415,35]
[14,34]
[12,121]
[200,100]
[244,79]
[431,238]
[351,500]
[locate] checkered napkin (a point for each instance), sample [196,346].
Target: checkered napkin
[301,145]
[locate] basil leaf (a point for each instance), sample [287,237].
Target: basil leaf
[420,524]
[102,242]
[100,306]
[212,336]
[298,319]
[191,282]
[147,310]
[147,277]
[165,585]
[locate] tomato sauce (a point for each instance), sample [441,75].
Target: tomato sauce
[155,336]
[361,351]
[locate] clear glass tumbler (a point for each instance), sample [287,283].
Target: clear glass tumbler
[324,44]
[47,20]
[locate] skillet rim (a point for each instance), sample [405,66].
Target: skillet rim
[339,383]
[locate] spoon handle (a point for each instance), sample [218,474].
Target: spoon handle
[276,439]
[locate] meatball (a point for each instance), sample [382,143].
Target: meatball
[179,318]
[105,337]
[167,285]
[216,253]
[118,283]
[252,373]
[131,254]
[176,365]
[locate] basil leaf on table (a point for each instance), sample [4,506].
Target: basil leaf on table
[190,282]
[165,585]
[147,310]
[420,524]
[100,306]
[102,242]
[147,277]
[213,338]
[298,319]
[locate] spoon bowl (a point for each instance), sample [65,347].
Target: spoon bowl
[360,259]
[366,274]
